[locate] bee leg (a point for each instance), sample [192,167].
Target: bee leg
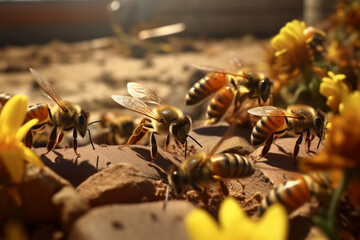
[223,188]
[60,138]
[153,149]
[298,142]
[307,141]
[139,132]
[267,146]
[203,194]
[270,140]
[242,185]
[28,139]
[167,142]
[75,143]
[52,141]
[196,187]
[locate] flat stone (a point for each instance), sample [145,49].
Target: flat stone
[133,221]
[70,205]
[117,184]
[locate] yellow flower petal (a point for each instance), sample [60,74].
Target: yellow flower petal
[200,225]
[31,157]
[230,213]
[14,163]
[13,114]
[25,129]
[274,224]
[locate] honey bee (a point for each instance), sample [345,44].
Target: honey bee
[229,87]
[201,168]
[64,116]
[294,193]
[315,42]
[297,119]
[163,119]
[117,129]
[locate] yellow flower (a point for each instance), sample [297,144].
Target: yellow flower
[290,35]
[234,224]
[335,90]
[290,46]
[13,152]
[343,139]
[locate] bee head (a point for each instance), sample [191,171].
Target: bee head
[265,89]
[82,122]
[176,180]
[180,128]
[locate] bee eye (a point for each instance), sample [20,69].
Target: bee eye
[81,120]
[317,124]
[264,89]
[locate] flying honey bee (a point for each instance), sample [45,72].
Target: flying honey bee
[64,116]
[201,168]
[163,119]
[294,193]
[229,87]
[297,119]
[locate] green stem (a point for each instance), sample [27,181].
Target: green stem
[328,221]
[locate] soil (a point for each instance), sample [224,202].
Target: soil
[112,179]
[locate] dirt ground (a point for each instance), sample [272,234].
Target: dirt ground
[88,73]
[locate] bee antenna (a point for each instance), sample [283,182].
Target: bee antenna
[95,122]
[92,144]
[166,196]
[194,140]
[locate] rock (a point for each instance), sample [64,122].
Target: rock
[36,192]
[77,169]
[117,184]
[133,221]
[70,205]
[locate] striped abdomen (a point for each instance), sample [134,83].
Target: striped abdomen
[219,104]
[205,87]
[293,194]
[4,97]
[40,111]
[265,127]
[227,165]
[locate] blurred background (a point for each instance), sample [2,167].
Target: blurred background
[23,22]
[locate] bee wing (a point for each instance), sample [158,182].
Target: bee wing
[219,70]
[143,93]
[235,60]
[271,111]
[48,89]
[301,110]
[135,105]
[229,132]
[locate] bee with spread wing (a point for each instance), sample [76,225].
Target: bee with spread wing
[162,119]
[297,119]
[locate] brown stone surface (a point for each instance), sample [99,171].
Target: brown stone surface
[71,205]
[133,221]
[36,192]
[117,184]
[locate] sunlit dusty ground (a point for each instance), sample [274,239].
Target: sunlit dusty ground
[88,73]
